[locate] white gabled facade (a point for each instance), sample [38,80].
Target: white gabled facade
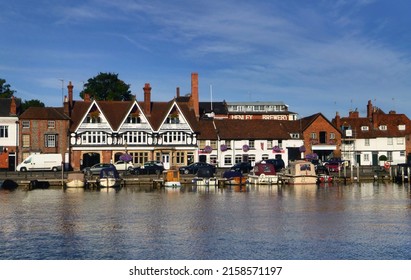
[9,129]
[376,139]
[367,151]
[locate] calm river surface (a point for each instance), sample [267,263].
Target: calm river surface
[360,221]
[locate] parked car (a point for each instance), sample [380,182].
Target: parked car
[243,167]
[149,167]
[333,166]
[96,168]
[194,167]
[277,162]
[123,166]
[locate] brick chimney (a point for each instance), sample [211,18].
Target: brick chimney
[68,101]
[193,103]
[70,94]
[177,92]
[353,114]
[13,107]
[375,119]
[369,110]
[147,99]
[87,97]
[337,120]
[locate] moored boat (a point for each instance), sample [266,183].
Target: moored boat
[205,177]
[298,173]
[263,173]
[109,178]
[172,179]
[75,180]
[232,177]
[323,175]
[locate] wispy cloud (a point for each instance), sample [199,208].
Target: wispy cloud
[297,51]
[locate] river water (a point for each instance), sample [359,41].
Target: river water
[365,221]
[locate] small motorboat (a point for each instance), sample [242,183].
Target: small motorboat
[172,179]
[233,177]
[75,180]
[205,177]
[323,175]
[299,172]
[263,173]
[8,185]
[109,178]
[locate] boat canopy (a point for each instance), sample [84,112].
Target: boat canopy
[264,168]
[109,172]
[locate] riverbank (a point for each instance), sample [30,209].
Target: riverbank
[43,179]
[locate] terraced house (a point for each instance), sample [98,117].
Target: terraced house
[101,131]
[375,138]
[9,112]
[43,130]
[177,132]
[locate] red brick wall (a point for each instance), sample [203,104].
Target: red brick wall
[319,125]
[37,131]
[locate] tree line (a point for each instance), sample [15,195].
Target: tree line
[104,86]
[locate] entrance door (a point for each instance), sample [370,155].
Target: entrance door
[12,162]
[375,158]
[166,160]
[358,159]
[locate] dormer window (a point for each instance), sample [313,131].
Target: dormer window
[383,127]
[93,117]
[401,127]
[173,118]
[133,118]
[364,128]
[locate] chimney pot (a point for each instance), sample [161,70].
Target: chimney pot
[194,101]
[147,99]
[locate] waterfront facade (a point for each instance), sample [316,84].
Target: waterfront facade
[44,130]
[184,130]
[322,139]
[375,139]
[101,131]
[9,111]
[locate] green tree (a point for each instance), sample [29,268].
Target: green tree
[106,86]
[31,103]
[5,91]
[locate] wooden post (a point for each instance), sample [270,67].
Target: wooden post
[358,172]
[352,172]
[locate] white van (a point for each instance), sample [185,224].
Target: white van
[37,162]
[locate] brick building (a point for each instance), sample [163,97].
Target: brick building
[9,112]
[44,130]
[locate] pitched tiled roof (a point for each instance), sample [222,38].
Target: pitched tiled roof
[115,111]
[249,129]
[5,106]
[307,121]
[44,113]
[80,108]
[392,121]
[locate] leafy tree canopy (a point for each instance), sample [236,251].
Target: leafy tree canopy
[107,86]
[5,91]
[31,103]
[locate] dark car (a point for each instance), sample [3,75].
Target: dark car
[243,167]
[96,168]
[277,162]
[333,166]
[149,167]
[194,167]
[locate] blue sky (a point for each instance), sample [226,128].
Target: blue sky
[316,56]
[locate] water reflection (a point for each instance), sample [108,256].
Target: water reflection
[358,221]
